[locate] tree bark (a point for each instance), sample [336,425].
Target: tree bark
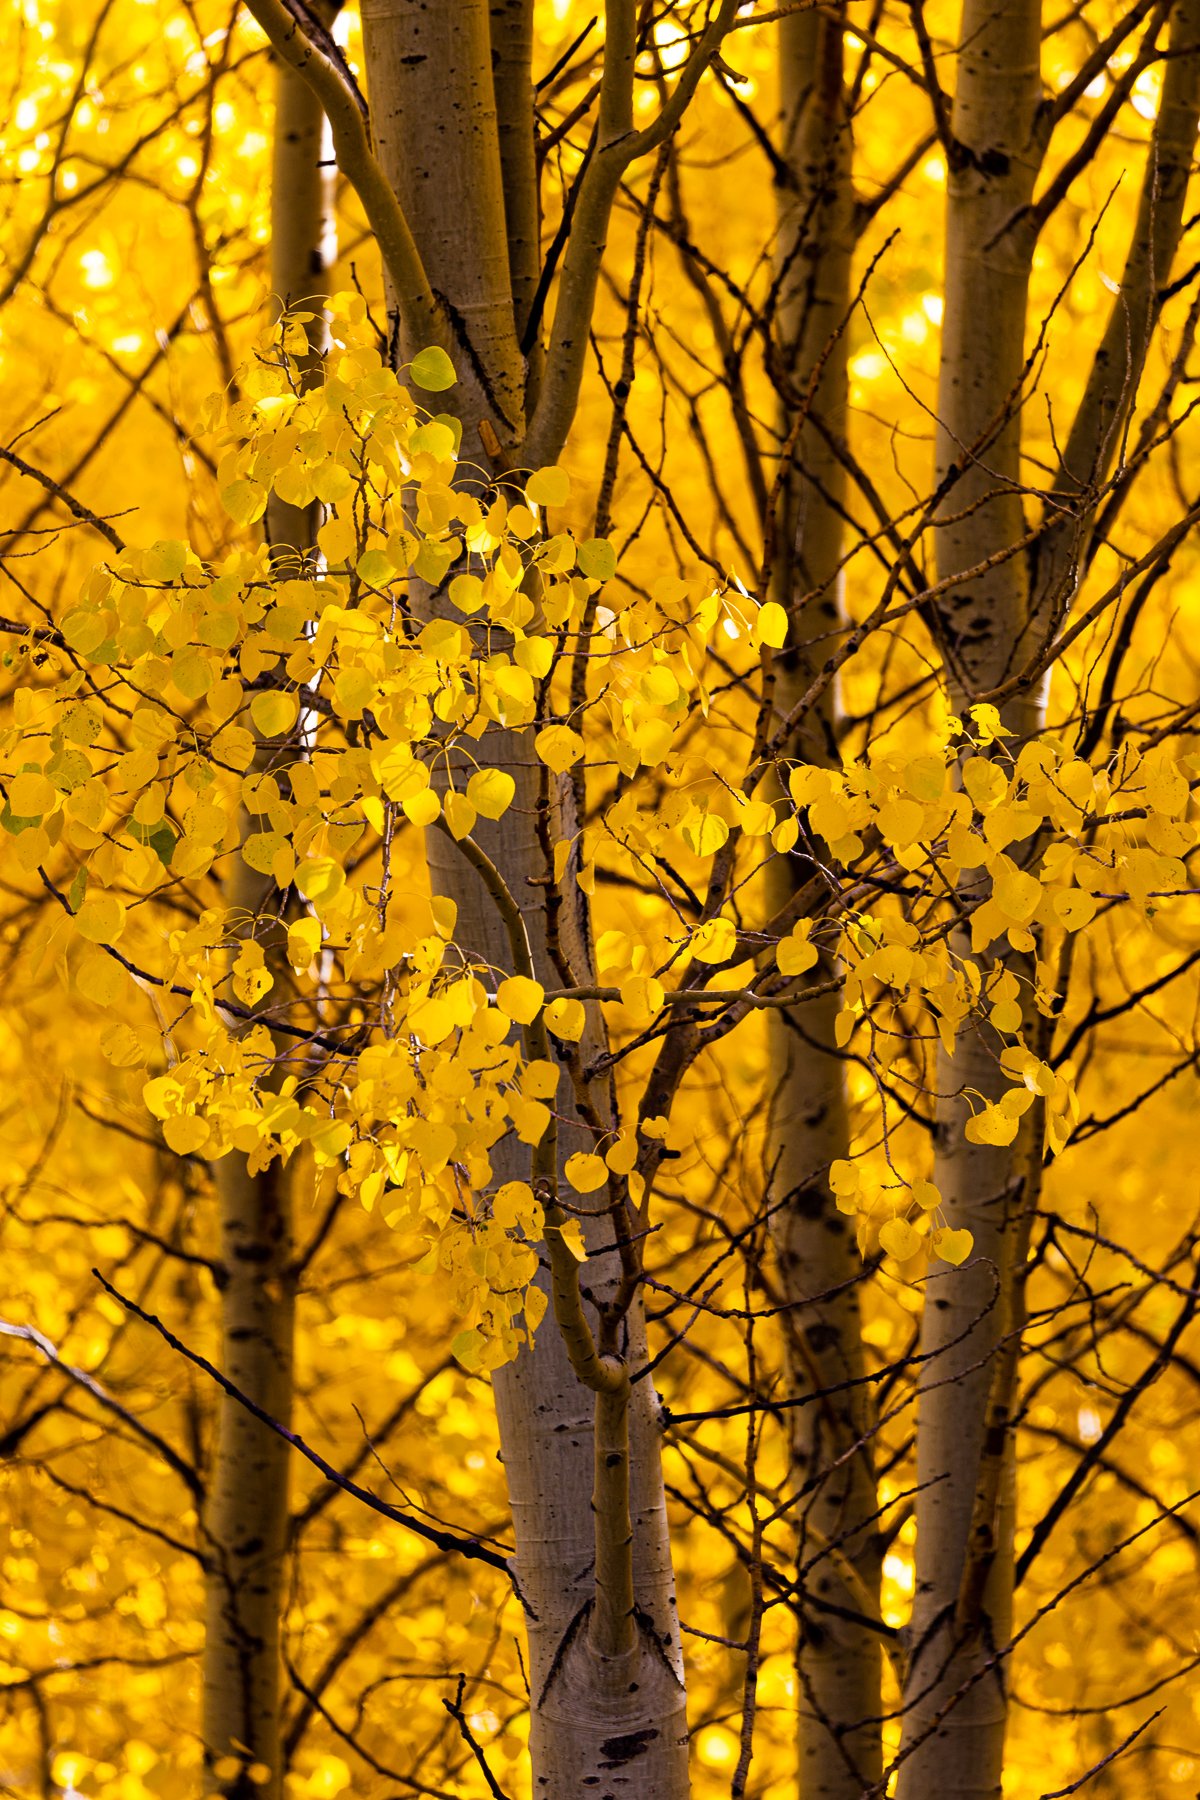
[838,1662]
[993,629]
[607,1699]
[246,1525]
[954,1718]
[1111,390]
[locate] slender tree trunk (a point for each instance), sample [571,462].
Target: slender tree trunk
[991,628]
[246,1527]
[954,1722]
[247,1519]
[838,1661]
[593,1554]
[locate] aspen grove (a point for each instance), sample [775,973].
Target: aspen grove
[599,899]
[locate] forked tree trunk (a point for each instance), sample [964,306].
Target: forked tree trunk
[453,128]
[245,1527]
[838,1651]
[954,1722]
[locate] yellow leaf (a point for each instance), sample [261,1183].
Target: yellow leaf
[953,1246]
[901,820]
[164,561]
[1075,908]
[991,1126]
[844,1177]
[250,984]
[597,559]
[535,1310]
[490,792]
[795,953]
[30,795]
[566,1019]
[320,880]
[572,1236]
[659,686]
[338,540]
[715,941]
[432,1020]
[559,747]
[756,818]
[1014,892]
[642,995]
[460,814]
[185,1133]
[704,833]
[432,370]
[244,502]
[534,655]
[520,998]
[331,1139]
[899,1239]
[445,915]
[101,918]
[987,723]
[771,625]
[421,808]
[585,1171]
[274,713]
[966,848]
[622,1156]
[99,978]
[259,850]
[122,1046]
[925,778]
[539,1080]
[548,487]
[530,1118]
[303,942]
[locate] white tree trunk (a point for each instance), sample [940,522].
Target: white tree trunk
[954,1724]
[838,1662]
[607,1700]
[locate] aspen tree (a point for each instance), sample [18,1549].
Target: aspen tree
[608,1695]
[998,632]
[838,1656]
[443,166]
[246,1524]
[445,160]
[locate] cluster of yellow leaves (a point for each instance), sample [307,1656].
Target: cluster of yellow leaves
[294,716]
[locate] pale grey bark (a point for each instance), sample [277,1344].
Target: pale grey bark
[838,1662]
[606,1674]
[245,1531]
[433,115]
[954,1722]
[998,636]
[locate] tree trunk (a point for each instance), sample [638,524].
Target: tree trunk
[246,1525]
[838,1661]
[992,628]
[1111,390]
[607,1699]
[247,1518]
[954,1722]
